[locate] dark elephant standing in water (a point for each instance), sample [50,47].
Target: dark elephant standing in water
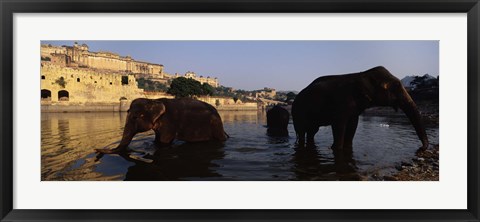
[277,121]
[185,119]
[339,100]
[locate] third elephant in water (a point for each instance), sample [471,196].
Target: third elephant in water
[277,121]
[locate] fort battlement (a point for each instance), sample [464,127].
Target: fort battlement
[79,56]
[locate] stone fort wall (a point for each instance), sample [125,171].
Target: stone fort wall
[79,56]
[89,86]
[103,81]
[86,85]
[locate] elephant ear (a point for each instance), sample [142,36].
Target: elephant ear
[156,110]
[364,91]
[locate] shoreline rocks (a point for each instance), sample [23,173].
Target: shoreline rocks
[423,167]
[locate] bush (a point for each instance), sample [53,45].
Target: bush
[185,87]
[61,81]
[207,89]
[152,86]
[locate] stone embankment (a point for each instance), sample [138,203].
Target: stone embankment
[82,108]
[119,107]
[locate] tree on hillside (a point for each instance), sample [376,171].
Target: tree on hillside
[152,86]
[207,89]
[157,87]
[185,87]
[421,82]
[224,91]
[425,88]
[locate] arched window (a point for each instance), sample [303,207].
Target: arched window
[43,77]
[63,95]
[78,79]
[46,94]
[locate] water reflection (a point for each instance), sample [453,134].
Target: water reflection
[69,140]
[250,116]
[184,161]
[67,137]
[277,139]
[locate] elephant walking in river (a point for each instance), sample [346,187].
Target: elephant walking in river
[185,119]
[339,100]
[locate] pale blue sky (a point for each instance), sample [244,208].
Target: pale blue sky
[283,65]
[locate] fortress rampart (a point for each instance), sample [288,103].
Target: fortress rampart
[79,56]
[73,89]
[76,80]
[76,85]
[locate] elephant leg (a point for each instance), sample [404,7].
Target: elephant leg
[158,139]
[338,130]
[343,132]
[350,130]
[164,135]
[301,138]
[167,137]
[311,134]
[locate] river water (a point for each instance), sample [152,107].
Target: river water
[69,139]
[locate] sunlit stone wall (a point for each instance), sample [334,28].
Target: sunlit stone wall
[86,85]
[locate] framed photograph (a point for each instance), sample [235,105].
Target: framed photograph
[258,111]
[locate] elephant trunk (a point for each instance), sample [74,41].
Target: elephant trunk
[128,134]
[122,147]
[410,109]
[127,137]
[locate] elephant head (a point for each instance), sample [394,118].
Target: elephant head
[142,116]
[381,88]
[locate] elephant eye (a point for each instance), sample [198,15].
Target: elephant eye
[385,86]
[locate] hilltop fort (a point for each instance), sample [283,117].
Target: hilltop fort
[73,75]
[78,69]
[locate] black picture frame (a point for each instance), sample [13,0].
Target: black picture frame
[9,7]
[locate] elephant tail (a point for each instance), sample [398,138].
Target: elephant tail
[228,136]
